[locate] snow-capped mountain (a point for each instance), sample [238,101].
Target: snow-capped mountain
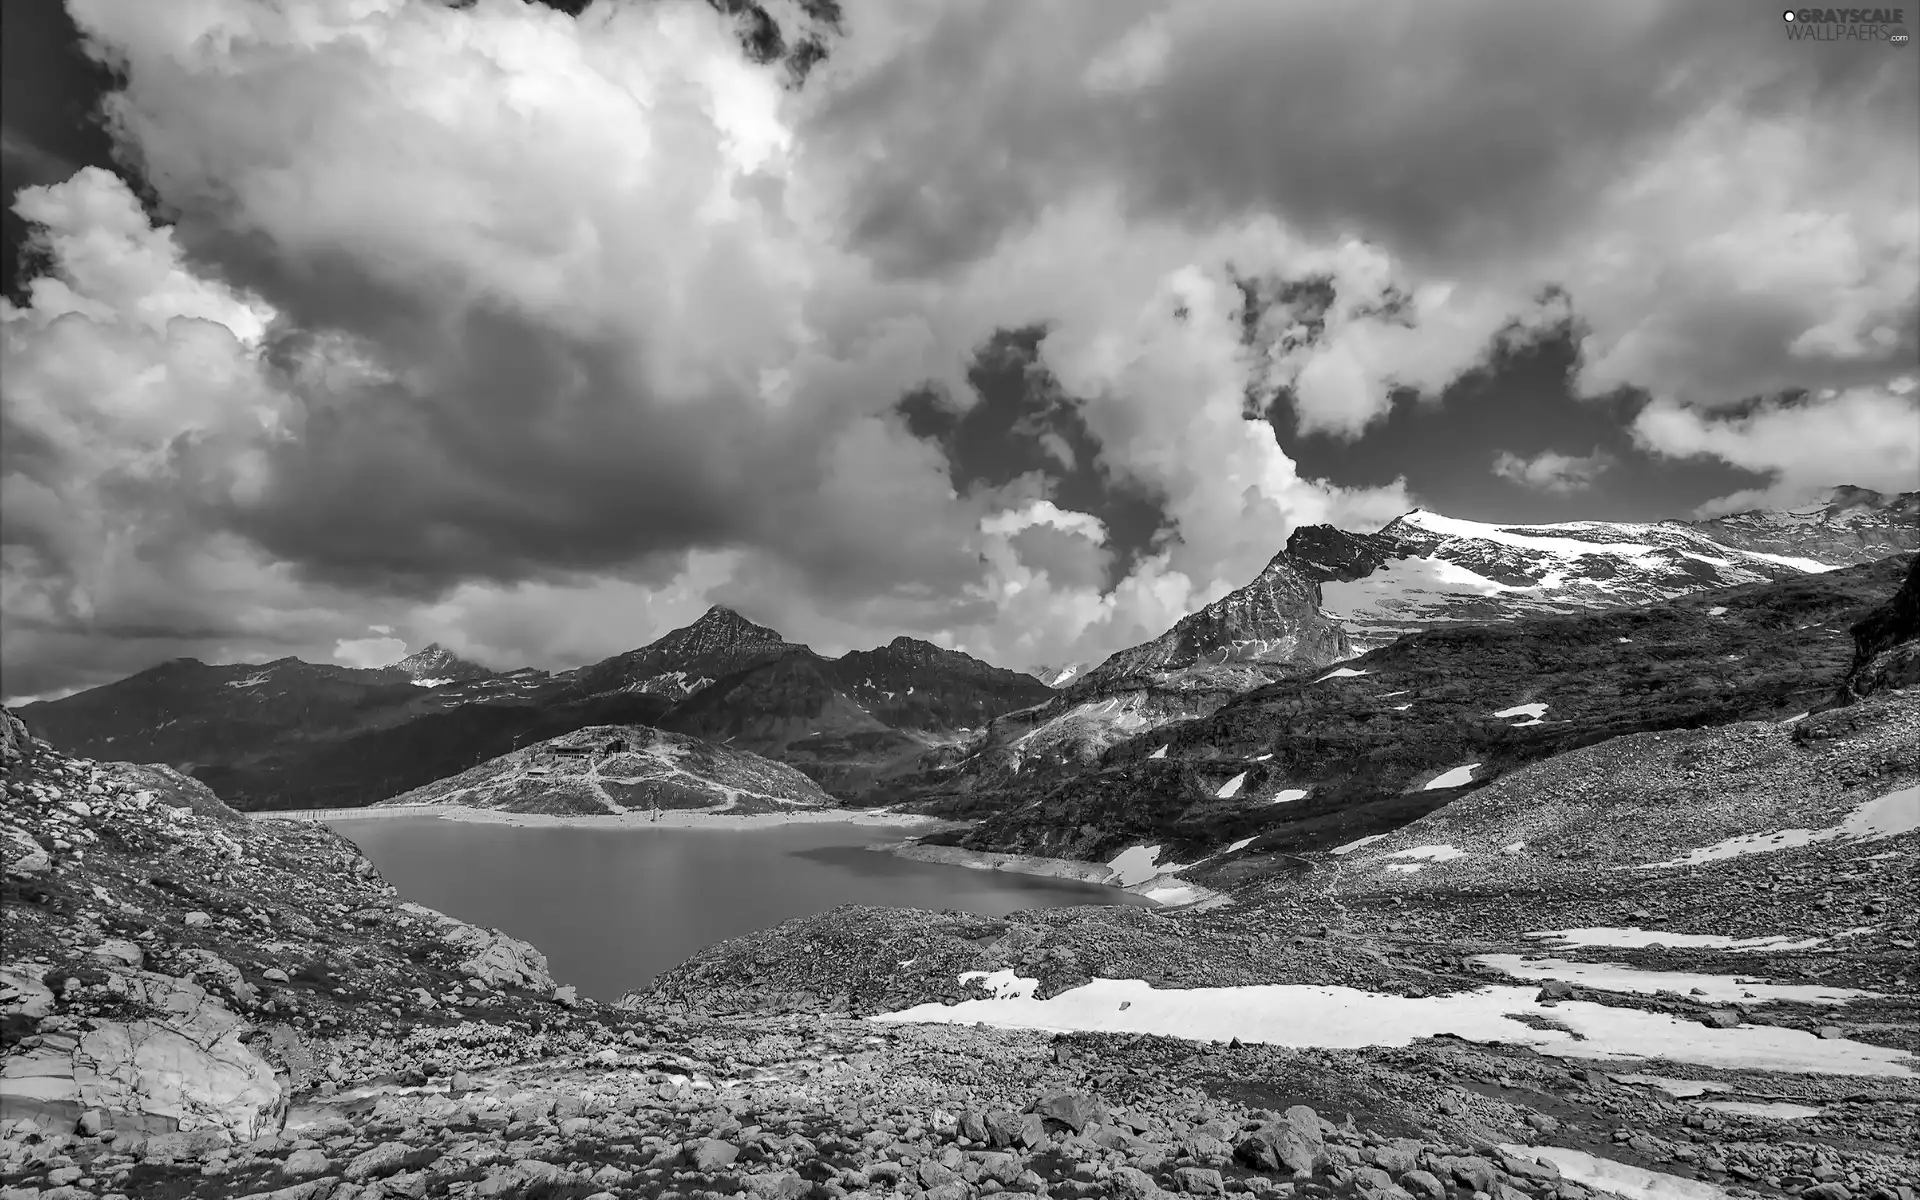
[436,665]
[1425,569]
[1321,758]
[1332,595]
[1270,629]
[1056,675]
[1852,525]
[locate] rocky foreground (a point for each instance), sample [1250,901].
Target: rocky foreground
[199,1005]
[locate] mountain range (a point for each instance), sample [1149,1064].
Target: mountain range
[292,734]
[911,720]
[1332,594]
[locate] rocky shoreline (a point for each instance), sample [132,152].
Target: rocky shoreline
[1166,890]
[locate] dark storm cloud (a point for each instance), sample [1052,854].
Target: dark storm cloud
[1448,132]
[1005,435]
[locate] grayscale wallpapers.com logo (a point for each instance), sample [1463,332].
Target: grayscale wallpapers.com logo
[1887,25]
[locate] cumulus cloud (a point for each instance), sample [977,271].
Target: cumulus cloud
[1551,471]
[534,335]
[369,652]
[1805,445]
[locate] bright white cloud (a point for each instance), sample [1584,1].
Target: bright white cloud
[1551,471]
[1866,437]
[369,652]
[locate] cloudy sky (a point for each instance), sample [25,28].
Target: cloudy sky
[1026,326]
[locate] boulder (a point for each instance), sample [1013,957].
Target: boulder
[710,1154]
[187,1070]
[24,995]
[24,857]
[488,955]
[1075,1110]
[1278,1147]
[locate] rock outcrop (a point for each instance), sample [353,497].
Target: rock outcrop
[1886,644]
[167,969]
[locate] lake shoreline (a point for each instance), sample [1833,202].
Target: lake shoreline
[1164,891]
[667,819]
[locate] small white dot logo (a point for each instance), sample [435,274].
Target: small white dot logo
[1788,15]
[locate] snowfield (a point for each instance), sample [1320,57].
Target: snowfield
[1617,977]
[1635,937]
[1330,1017]
[1454,778]
[1892,814]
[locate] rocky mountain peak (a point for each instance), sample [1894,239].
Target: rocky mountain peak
[1325,553]
[1274,618]
[439,663]
[915,650]
[721,625]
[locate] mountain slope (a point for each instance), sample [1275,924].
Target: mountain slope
[681,662]
[1270,629]
[1425,570]
[859,723]
[1313,761]
[1852,525]
[613,769]
[186,711]
[1886,644]
[436,665]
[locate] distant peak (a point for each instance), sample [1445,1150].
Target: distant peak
[721,622]
[436,661]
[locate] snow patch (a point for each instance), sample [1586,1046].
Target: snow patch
[1431,853]
[1231,787]
[1776,1110]
[1618,977]
[1242,844]
[1536,711]
[1160,753]
[1350,847]
[1138,864]
[1634,936]
[1004,984]
[1513,847]
[432,683]
[1716,610]
[1890,815]
[1173,893]
[1454,778]
[1620,1179]
[1288,795]
[1330,1017]
[1680,1088]
[1341,673]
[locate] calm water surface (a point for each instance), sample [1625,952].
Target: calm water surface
[611,908]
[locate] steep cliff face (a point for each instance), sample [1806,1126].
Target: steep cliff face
[1273,628]
[1886,644]
[1274,619]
